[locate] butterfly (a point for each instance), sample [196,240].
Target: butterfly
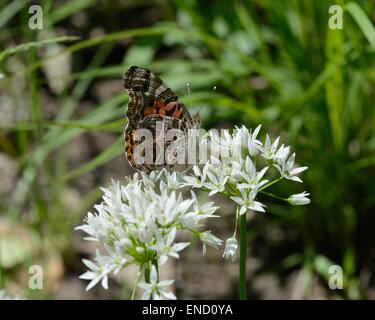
[155,107]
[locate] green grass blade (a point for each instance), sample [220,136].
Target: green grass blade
[27,46]
[68,9]
[10,10]
[113,151]
[363,22]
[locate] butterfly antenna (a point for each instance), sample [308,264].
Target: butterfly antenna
[213,91]
[188,88]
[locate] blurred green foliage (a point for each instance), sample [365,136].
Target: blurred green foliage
[273,62]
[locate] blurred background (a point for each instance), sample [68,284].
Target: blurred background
[275,63]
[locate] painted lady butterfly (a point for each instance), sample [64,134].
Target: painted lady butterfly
[152,102]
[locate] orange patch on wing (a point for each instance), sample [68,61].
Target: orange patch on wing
[172,109]
[149,111]
[177,113]
[158,104]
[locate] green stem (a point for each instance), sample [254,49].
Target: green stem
[135,285]
[196,233]
[147,278]
[243,252]
[236,225]
[273,195]
[153,261]
[156,264]
[271,183]
[147,274]
[234,189]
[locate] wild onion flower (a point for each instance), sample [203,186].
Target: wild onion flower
[198,179]
[285,165]
[155,289]
[241,167]
[230,248]
[299,199]
[247,201]
[166,247]
[209,239]
[251,176]
[137,223]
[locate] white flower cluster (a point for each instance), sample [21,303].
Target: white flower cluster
[232,170]
[137,224]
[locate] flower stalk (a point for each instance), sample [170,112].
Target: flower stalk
[243,255]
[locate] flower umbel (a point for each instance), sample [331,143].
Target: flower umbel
[240,167]
[137,223]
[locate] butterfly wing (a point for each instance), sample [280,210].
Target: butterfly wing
[150,100]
